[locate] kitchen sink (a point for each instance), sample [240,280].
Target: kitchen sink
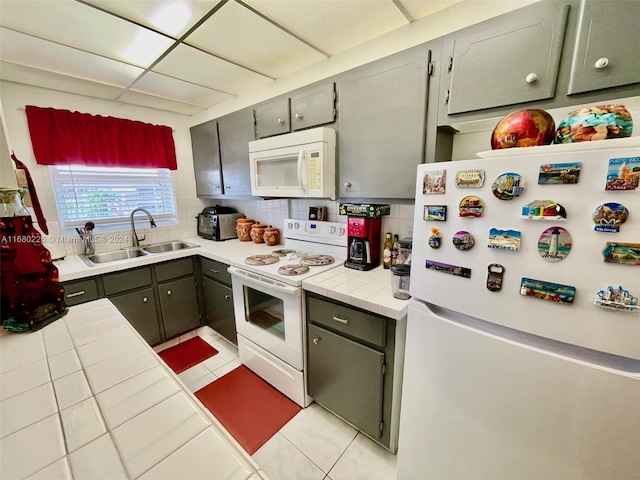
[168,246]
[137,252]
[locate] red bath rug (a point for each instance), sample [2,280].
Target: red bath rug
[187,354]
[248,407]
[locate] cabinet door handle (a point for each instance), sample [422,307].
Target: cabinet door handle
[214,270]
[75,294]
[145,300]
[227,297]
[298,116]
[341,320]
[280,121]
[531,78]
[601,63]
[168,292]
[347,184]
[316,341]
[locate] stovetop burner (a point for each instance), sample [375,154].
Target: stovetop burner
[261,260]
[317,260]
[283,252]
[293,269]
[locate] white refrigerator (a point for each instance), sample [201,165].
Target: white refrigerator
[512,371]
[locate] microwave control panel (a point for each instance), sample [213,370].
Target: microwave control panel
[314,174]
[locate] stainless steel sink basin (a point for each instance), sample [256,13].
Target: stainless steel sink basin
[108,257]
[136,252]
[168,246]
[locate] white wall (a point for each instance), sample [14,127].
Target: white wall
[14,97]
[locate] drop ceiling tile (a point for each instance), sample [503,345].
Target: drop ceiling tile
[171,88]
[173,18]
[93,31]
[192,65]
[33,52]
[240,35]
[333,26]
[422,8]
[159,103]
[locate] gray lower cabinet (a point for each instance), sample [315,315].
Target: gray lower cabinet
[599,61]
[381,123]
[508,60]
[179,306]
[206,159]
[235,131]
[80,291]
[139,308]
[350,364]
[218,299]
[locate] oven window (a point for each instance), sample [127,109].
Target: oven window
[264,311]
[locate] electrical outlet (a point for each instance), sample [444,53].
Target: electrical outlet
[410,232]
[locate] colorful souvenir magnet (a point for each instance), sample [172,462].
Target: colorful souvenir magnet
[553,292]
[435,239]
[504,239]
[609,216]
[434,182]
[559,173]
[623,174]
[450,269]
[471,206]
[463,240]
[508,186]
[543,210]
[494,277]
[617,299]
[624,253]
[470,178]
[435,212]
[554,244]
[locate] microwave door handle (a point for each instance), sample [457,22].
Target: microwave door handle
[303,187]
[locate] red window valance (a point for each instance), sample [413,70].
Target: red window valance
[61,137]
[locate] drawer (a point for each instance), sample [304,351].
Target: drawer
[355,323]
[174,269]
[80,291]
[215,270]
[127,280]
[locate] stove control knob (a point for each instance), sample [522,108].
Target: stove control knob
[332,229]
[290,226]
[341,231]
[296,225]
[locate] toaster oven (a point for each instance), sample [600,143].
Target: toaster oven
[218,223]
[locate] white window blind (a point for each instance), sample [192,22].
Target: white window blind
[108,195]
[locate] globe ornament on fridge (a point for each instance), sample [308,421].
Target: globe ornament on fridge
[595,123]
[524,128]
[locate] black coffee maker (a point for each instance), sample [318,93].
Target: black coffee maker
[363,243]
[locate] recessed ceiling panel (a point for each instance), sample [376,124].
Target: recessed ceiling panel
[192,65]
[239,34]
[71,23]
[30,51]
[55,81]
[333,25]
[179,90]
[422,8]
[140,99]
[173,18]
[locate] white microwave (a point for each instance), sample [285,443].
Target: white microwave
[296,165]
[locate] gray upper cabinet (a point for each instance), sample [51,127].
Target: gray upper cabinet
[273,118]
[606,49]
[235,131]
[381,124]
[206,159]
[508,60]
[313,106]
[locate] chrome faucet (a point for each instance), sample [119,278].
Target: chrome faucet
[134,237]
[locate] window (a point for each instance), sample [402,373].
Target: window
[107,195]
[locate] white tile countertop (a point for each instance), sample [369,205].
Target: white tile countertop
[368,290]
[87,398]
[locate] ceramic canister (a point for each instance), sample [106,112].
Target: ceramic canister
[257,232]
[243,229]
[271,236]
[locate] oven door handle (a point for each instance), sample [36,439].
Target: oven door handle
[268,283]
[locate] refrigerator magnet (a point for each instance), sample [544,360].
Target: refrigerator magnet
[553,292]
[435,183]
[450,269]
[435,240]
[463,240]
[559,173]
[543,210]
[608,217]
[508,186]
[617,299]
[494,277]
[471,206]
[623,174]
[504,239]
[436,213]
[470,178]
[554,244]
[623,253]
